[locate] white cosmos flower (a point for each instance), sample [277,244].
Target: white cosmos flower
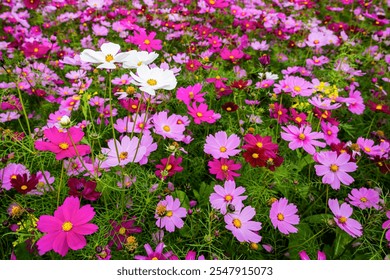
[135,59]
[107,56]
[149,80]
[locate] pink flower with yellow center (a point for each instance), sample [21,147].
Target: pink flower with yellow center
[342,218]
[302,137]
[283,216]
[169,214]
[66,229]
[222,146]
[227,196]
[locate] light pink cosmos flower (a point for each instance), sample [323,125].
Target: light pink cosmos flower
[169,214]
[364,198]
[63,144]
[334,168]
[168,127]
[298,86]
[121,153]
[342,218]
[222,146]
[66,229]
[202,114]
[283,216]
[324,104]
[227,195]
[368,147]
[240,224]
[302,137]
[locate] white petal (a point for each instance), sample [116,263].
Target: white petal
[92,56]
[110,48]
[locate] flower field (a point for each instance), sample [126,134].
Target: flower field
[211,129]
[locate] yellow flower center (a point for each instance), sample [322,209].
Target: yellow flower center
[222,149]
[298,119]
[329,132]
[13,177]
[122,231]
[363,199]
[211,2]
[36,50]
[367,149]
[168,167]
[255,155]
[123,155]
[169,213]
[228,198]
[280,217]
[224,167]
[379,107]
[139,63]
[109,58]
[161,210]
[342,220]
[334,167]
[259,144]
[237,223]
[316,42]
[23,188]
[154,259]
[280,112]
[131,240]
[147,42]
[67,226]
[191,94]
[297,88]
[63,146]
[228,109]
[199,114]
[16,210]
[302,136]
[166,128]
[152,82]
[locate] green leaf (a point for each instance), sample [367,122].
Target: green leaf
[318,219]
[303,240]
[341,242]
[182,196]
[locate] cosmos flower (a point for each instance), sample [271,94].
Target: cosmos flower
[227,196]
[241,225]
[168,127]
[342,218]
[157,254]
[151,79]
[122,230]
[168,167]
[22,184]
[334,168]
[283,216]
[386,226]
[302,137]
[304,256]
[169,214]
[66,229]
[364,198]
[135,59]
[224,168]
[106,57]
[222,146]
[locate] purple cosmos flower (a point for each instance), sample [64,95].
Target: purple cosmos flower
[304,256]
[222,146]
[154,255]
[386,226]
[169,214]
[364,198]
[191,255]
[330,133]
[298,86]
[334,168]
[66,229]
[341,217]
[240,224]
[168,127]
[302,137]
[83,189]
[282,215]
[226,196]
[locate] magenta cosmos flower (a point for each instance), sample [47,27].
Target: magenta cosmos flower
[304,256]
[364,198]
[63,144]
[222,146]
[386,226]
[169,214]
[282,215]
[341,217]
[334,168]
[224,168]
[155,255]
[66,229]
[227,195]
[302,137]
[240,224]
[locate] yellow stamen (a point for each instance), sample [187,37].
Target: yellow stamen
[24,187]
[123,155]
[334,167]
[237,223]
[259,144]
[67,226]
[222,149]
[122,231]
[228,198]
[152,82]
[302,136]
[255,155]
[224,167]
[280,217]
[166,128]
[342,220]
[109,58]
[63,146]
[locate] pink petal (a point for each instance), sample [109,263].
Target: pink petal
[48,223]
[75,241]
[60,244]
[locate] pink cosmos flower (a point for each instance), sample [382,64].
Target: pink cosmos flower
[11,171]
[121,153]
[146,42]
[283,216]
[341,217]
[168,127]
[298,86]
[386,226]
[202,114]
[154,255]
[227,196]
[334,168]
[66,229]
[233,55]
[302,137]
[222,146]
[240,224]
[224,168]
[190,94]
[168,167]
[364,198]
[63,144]
[279,113]
[330,133]
[368,147]
[169,214]
[304,256]
[354,101]
[324,104]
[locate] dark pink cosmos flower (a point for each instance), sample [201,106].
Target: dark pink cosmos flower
[32,4]
[224,168]
[66,229]
[342,218]
[168,167]
[304,256]
[121,231]
[63,144]
[83,189]
[233,55]
[386,226]
[200,113]
[155,255]
[146,42]
[35,49]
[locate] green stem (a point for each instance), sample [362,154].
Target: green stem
[24,110]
